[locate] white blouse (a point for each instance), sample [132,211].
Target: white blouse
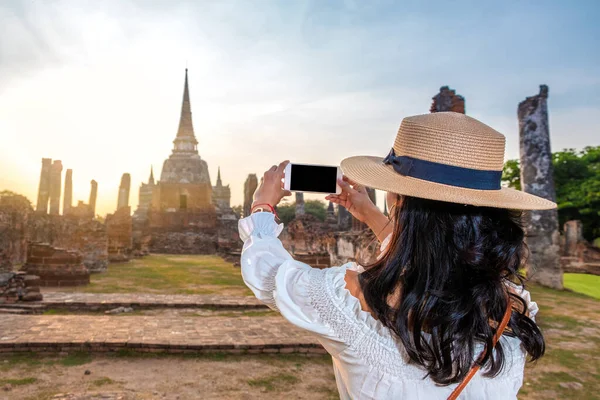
[368,361]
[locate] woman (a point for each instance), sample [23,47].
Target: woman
[419,321]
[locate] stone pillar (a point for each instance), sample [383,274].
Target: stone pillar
[344,219]
[330,218]
[573,235]
[68,195]
[537,178]
[93,195]
[55,187]
[123,200]
[358,225]
[448,100]
[299,204]
[249,188]
[44,188]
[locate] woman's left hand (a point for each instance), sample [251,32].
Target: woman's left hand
[271,191]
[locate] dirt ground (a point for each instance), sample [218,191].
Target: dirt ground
[167,377]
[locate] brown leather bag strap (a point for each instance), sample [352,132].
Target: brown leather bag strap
[456,392]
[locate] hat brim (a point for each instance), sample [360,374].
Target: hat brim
[372,172]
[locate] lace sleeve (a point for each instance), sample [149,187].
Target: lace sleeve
[262,255]
[275,278]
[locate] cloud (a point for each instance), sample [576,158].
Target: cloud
[99,84]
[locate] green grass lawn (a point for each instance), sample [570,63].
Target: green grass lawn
[583,283]
[570,322]
[169,274]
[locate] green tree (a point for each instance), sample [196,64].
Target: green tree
[13,201]
[316,208]
[287,211]
[577,181]
[512,174]
[239,210]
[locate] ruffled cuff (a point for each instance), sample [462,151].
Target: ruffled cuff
[260,224]
[532,307]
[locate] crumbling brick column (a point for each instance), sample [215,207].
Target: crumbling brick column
[15,211]
[573,235]
[68,194]
[44,188]
[93,196]
[124,188]
[447,100]
[356,224]
[344,219]
[249,188]
[55,187]
[299,204]
[537,178]
[330,217]
[119,229]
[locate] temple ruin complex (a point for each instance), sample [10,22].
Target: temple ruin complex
[183,212]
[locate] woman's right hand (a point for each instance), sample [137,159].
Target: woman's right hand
[354,198]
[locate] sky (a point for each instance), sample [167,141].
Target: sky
[98,85]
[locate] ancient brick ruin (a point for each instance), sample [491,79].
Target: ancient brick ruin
[543,237]
[183,212]
[119,230]
[19,286]
[322,245]
[299,204]
[249,188]
[15,211]
[577,254]
[44,187]
[56,267]
[447,100]
[84,235]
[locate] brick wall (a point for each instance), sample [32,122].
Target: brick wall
[55,266]
[85,235]
[119,229]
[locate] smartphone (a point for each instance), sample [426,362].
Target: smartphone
[312,178]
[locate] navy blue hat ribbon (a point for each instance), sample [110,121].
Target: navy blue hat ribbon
[442,173]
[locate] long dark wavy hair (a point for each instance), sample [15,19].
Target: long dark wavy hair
[449,262]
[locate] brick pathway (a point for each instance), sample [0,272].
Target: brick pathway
[51,333]
[102,301]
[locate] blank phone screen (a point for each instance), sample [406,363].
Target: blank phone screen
[313,178]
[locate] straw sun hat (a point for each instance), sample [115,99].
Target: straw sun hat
[444,156]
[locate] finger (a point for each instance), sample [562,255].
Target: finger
[345,186]
[336,201]
[286,193]
[281,166]
[357,186]
[350,181]
[273,168]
